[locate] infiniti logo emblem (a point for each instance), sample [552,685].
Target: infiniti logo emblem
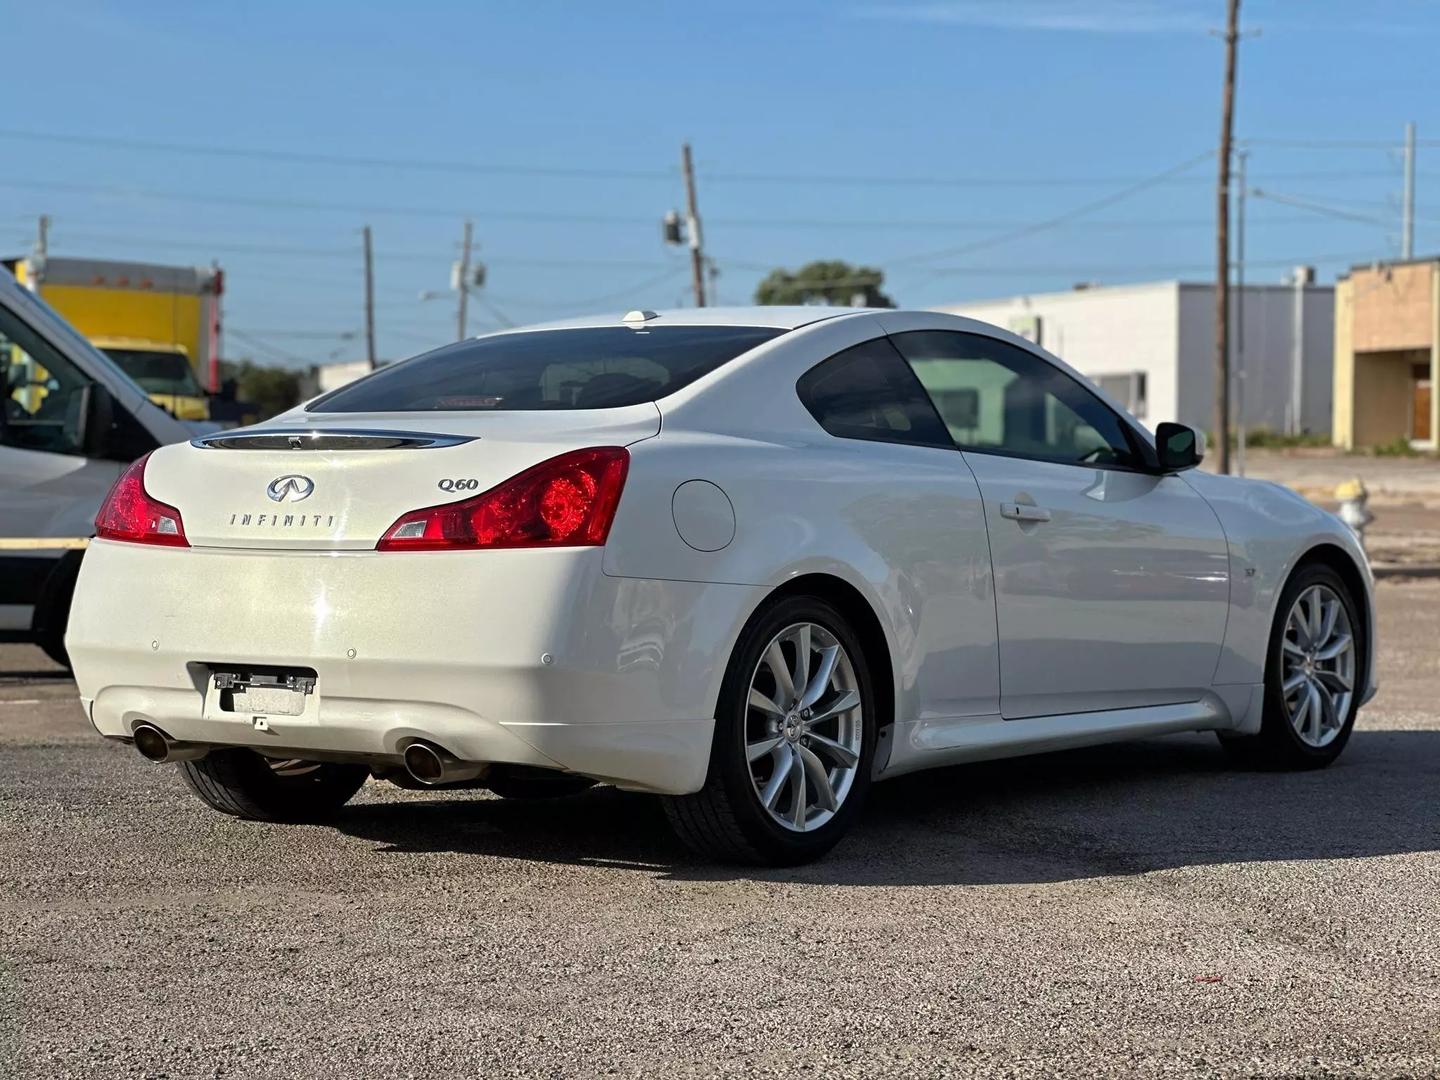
[292,487]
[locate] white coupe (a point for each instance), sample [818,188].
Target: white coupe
[751,560]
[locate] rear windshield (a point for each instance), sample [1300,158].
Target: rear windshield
[601,367]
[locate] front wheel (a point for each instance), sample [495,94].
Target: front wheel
[245,784]
[794,741]
[1313,676]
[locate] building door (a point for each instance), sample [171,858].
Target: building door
[1420,422]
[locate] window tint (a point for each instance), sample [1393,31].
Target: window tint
[43,393]
[867,392]
[996,396]
[586,368]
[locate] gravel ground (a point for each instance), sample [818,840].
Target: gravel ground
[1133,910]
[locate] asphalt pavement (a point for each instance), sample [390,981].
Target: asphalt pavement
[1140,909]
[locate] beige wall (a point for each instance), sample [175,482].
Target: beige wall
[1343,371]
[1394,307]
[1387,319]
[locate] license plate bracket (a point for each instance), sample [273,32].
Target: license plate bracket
[263,691]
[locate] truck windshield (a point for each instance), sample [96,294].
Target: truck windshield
[595,367]
[158,371]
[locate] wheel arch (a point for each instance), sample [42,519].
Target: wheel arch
[865,620]
[1356,580]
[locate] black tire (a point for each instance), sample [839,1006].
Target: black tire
[523,782]
[725,820]
[242,783]
[1277,745]
[52,608]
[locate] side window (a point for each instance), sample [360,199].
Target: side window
[42,393]
[868,392]
[996,396]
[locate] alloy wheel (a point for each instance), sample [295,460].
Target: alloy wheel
[1318,665]
[803,727]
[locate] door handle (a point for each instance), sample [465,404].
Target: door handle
[1024,512]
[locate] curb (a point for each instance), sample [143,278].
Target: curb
[1383,571]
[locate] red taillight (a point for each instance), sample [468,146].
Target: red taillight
[130,514]
[568,501]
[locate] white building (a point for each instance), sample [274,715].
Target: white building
[333,376]
[1152,347]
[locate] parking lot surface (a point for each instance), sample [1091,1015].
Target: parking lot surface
[1137,909]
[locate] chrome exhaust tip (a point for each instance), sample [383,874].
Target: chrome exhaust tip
[431,766]
[154,745]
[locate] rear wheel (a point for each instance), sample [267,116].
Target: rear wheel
[794,740]
[1313,676]
[243,783]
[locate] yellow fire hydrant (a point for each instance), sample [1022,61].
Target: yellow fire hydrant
[1352,497]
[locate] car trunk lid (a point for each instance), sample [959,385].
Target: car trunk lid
[338,481]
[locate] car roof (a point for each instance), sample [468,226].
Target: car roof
[777,317]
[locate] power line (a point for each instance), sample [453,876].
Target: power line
[1336,211]
[347,160]
[1060,219]
[1079,271]
[1335,144]
[487,168]
[1006,181]
[435,257]
[554,218]
[274,352]
[1320,208]
[315,335]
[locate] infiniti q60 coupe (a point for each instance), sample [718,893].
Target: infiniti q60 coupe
[748,560]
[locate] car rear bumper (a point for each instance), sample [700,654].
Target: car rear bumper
[525,656]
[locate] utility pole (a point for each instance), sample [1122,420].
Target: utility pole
[1240,157]
[369,301]
[463,284]
[1222,244]
[1304,275]
[1407,224]
[36,276]
[692,222]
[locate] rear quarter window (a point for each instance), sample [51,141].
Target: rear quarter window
[868,392]
[601,367]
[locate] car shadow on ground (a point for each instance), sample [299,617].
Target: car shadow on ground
[1123,809]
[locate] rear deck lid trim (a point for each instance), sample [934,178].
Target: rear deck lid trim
[332,439]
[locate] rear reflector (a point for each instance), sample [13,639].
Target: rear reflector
[131,515]
[568,501]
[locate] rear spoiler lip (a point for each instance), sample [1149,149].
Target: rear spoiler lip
[328,439]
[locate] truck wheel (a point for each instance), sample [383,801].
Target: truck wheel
[242,783]
[52,608]
[794,741]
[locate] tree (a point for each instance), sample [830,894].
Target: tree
[269,389]
[825,281]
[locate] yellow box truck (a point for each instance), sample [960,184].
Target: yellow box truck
[160,324]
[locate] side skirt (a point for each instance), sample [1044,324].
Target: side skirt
[925,744]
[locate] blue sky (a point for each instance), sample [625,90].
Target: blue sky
[916,136]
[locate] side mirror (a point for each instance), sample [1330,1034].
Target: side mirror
[1178,447]
[96,420]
